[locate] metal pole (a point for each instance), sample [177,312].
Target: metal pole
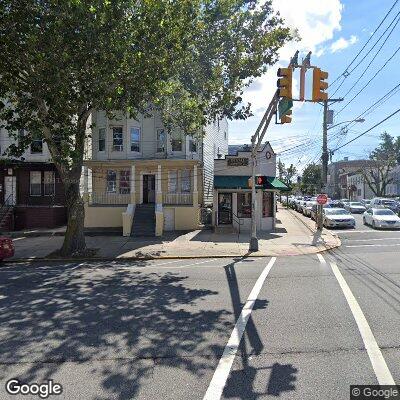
[253,239]
[325,155]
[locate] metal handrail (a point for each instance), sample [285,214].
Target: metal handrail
[238,220]
[5,204]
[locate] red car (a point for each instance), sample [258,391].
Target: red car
[6,247]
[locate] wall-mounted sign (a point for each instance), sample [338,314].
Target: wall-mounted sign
[9,171]
[238,162]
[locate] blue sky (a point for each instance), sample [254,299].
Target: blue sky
[335,31]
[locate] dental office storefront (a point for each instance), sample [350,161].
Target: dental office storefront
[232,194]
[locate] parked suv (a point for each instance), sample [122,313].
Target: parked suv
[387,203]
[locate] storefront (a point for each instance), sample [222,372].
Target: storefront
[232,194]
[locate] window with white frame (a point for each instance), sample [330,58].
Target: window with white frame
[118,138]
[161,141]
[102,139]
[49,183]
[176,142]
[193,145]
[124,182]
[111,182]
[172,181]
[185,181]
[135,139]
[35,183]
[37,146]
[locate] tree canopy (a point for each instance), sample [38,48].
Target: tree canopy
[311,180]
[63,59]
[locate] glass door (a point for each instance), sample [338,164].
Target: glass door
[224,208]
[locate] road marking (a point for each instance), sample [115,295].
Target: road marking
[321,259]
[370,240]
[374,352]
[373,245]
[365,231]
[218,381]
[23,237]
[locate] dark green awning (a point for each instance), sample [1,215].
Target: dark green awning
[241,182]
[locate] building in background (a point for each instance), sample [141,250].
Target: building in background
[232,193]
[31,191]
[393,189]
[357,187]
[146,180]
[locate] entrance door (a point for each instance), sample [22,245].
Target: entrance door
[149,188]
[10,190]
[224,208]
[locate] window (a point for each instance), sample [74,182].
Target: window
[124,182]
[244,205]
[118,140]
[49,183]
[172,181]
[193,146]
[37,146]
[185,181]
[135,139]
[102,139]
[161,140]
[35,183]
[176,143]
[268,202]
[111,182]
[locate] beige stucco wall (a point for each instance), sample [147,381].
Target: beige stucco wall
[186,218]
[103,217]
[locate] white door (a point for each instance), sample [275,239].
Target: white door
[169,219]
[10,190]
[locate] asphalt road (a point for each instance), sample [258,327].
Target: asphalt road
[160,329]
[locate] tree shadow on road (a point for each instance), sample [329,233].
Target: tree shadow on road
[123,319]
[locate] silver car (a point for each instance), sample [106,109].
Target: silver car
[355,207]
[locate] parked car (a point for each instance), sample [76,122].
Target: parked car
[338,218]
[366,203]
[337,204]
[308,208]
[355,207]
[381,218]
[314,209]
[6,247]
[387,203]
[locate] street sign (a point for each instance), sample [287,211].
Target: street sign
[284,107]
[322,199]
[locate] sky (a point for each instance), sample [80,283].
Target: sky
[335,31]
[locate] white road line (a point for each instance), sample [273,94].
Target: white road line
[218,381]
[186,265]
[374,352]
[373,245]
[370,240]
[19,238]
[364,231]
[321,259]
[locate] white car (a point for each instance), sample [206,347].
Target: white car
[308,208]
[338,218]
[381,218]
[355,207]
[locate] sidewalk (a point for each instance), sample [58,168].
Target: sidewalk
[294,235]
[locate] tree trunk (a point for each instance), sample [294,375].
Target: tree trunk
[74,240]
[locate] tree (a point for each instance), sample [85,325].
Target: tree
[384,157]
[311,181]
[63,59]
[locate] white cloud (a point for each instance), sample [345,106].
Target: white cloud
[316,21]
[342,43]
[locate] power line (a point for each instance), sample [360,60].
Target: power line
[368,130]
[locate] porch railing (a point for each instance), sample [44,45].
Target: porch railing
[109,199]
[178,198]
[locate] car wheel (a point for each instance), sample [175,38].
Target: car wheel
[373,224]
[364,221]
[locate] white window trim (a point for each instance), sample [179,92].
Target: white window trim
[54,184]
[183,144]
[116,180]
[175,172]
[105,139]
[112,139]
[140,140]
[30,185]
[165,141]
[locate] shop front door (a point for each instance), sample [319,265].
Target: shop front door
[224,208]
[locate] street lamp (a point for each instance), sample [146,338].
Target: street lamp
[346,122]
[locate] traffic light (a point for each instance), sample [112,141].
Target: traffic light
[287,118]
[284,82]
[319,85]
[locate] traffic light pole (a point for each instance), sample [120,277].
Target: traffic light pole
[256,141]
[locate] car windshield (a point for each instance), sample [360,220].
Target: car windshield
[355,203]
[388,202]
[336,211]
[384,212]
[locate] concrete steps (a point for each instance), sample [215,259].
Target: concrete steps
[144,223]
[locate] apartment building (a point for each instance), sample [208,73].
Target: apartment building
[147,180]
